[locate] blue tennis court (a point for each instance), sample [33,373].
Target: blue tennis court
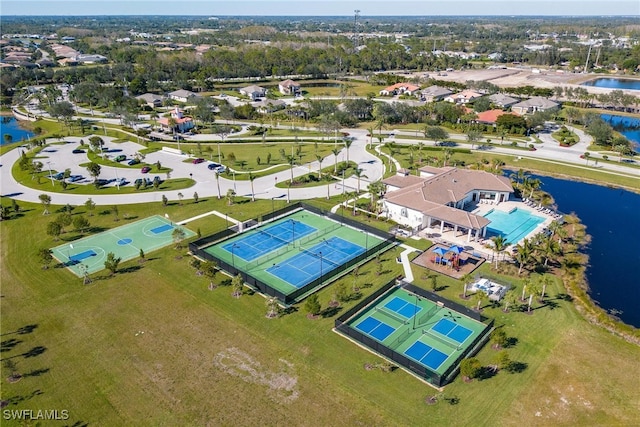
[426,355]
[312,263]
[375,328]
[269,239]
[452,330]
[403,307]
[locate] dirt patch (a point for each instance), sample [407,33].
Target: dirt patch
[281,386]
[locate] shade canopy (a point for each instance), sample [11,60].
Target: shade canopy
[440,251]
[456,249]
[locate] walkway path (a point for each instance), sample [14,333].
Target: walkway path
[206,214]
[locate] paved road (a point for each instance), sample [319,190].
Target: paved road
[207,185]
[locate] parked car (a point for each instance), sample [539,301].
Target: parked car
[213,166]
[198,160]
[74,178]
[58,176]
[145,169]
[133,162]
[78,151]
[120,158]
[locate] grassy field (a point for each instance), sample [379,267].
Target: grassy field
[154,346]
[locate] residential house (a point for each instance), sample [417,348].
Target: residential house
[91,59]
[441,197]
[289,87]
[502,101]
[464,97]
[400,89]
[182,95]
[267,106]
[182,123]
[434,93]
[489,117]
[254,92]
[151,99]
[533,105]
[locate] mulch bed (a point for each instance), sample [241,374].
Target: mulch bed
[469,262]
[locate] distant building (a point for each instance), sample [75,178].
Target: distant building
[182,95]
[533,105]
[90,59]
[267,106]
[151,99]
[400,89]
[254,92]
[434,93]
[289,87]
[182,123]
[502,101]
[464,97]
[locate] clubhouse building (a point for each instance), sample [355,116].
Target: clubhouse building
[444,197]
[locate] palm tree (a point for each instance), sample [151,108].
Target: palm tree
[370,130]
[466,280]
[252,178]
[524,253]
[218,184]
[544,282]
[358,173]
[319,159]
[479,297]
[335,152]
[548,247]
[292,161]
[499,246]
[154,116]
[347,144]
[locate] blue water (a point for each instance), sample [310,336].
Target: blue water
[627,126]
[9,125]
[614,83]
[513,226]
[611,216]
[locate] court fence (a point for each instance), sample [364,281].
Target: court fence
[197,248]
[342,326]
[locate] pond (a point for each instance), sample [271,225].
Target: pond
[611,216]
[614,83]
[10,126]
[627,126]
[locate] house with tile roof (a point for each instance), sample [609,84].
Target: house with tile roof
[442,197]
[464,97]
[489,117]
[533,105]
[182,123]
[502,101]
[289,87]
[151,99]
[400,89]
[253,92]
[434,93]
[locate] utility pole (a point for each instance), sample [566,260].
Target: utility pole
[356,34]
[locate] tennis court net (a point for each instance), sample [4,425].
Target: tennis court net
[428,315]
[455,346]
[273,236]
[319,255]
[393,316]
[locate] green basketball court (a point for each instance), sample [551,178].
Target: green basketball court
[89,253]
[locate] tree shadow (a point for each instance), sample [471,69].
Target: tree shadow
[564,297]
[552,305]
[14,400]
[330,311]
[23,330]
[7,345]
[36,373]
[129,269]
[289,310]
[487,372]
[453,400]
[516,367]
[34,352]
[511,342]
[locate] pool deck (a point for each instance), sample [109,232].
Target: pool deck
[448,237]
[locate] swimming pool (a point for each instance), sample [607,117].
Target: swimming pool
[514,225]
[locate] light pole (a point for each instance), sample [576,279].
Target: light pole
[293,231]
[415,312]
[233,257]
[289,192]
[218,184]
[342,181]
[234,180]
[50,174]
[272,208]
[320,255]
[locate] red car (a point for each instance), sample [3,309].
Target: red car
[196,161]
[145,169]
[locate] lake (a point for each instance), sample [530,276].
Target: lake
[9,125]
[614,83]
[627,126]
[611,216]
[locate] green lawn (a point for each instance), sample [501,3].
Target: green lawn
[154,346]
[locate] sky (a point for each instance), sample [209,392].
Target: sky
[322,7]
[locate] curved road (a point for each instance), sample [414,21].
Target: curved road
[264,187]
